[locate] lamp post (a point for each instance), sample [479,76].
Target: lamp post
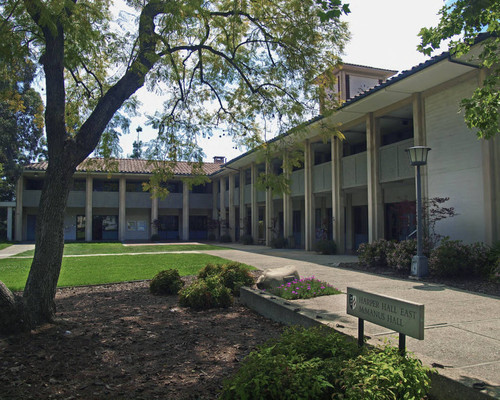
[419,264]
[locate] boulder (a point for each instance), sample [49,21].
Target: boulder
[274,277]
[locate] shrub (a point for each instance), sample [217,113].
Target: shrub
[375,254]
[233,275]
[324,246]
[206,293]
[319,363]
[166,282]
[452,258]
[226,238]
[246,239]
[302,364]
[305,288]
[385,375]
[278,242]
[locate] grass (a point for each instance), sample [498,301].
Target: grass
[5,245]
[71,249]
[94,270]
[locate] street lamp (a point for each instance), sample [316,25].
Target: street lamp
[419,264]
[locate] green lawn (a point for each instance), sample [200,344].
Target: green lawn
[93,270]
[114,248]
[5,245]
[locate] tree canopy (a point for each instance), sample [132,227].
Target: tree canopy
[227,63]
[463,22]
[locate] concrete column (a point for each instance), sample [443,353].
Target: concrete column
[185,211]
[222,205]
[375,197]
[337,198]
[287,203]
[243,213]
[215,210]
[19,209]
[88,208]
[253,204]
[349,220]
[122,207]
[9,224]
[268,223]
[232,211]
[154,214]
[308,198]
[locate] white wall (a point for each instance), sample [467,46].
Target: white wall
[455,164]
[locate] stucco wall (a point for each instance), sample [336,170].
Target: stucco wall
[454,164]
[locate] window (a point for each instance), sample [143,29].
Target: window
[134,186]
[248,176]
[204,188]
[172,186]
[34,184]
[80,227]
[107,185]
[79,185]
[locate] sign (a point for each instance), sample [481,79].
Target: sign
[401,316]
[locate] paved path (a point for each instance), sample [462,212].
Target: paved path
[462,329]
[15,249]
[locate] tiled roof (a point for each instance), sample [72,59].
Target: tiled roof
[126,165]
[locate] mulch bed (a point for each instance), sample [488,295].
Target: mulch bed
[121,342]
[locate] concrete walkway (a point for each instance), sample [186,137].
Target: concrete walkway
[15,249]
[462,329]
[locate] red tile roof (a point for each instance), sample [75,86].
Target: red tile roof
[131,166]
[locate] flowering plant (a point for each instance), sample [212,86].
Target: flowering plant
[304,288]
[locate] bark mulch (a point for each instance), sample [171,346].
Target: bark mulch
[121,342]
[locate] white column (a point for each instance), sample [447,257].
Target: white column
[185,211]
[154,213]
[308,198]
[269,210]
[254,208]
[337,199]
[19,209]
[88,208]
[243,210]
[375,197]
[122,207]
[215,210]
[287,203]
[9,224]
[232,216]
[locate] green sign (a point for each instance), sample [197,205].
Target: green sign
[401,316]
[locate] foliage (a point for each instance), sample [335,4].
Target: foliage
[435,211]
[375,254]
[325,246]
[385,375]
[206,293]
[463,21]
[305,288]
[319,363]
[21,127]
[279,242]
[246,239]
[452,258]
[166,282]
[226,238]
[233,275]
[401,255]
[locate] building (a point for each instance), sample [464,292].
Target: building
[354,190]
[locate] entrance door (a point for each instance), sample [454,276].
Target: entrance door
[31,228]
[360,216]
[169,227]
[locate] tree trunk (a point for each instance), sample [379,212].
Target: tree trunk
[40,289]
[11,311]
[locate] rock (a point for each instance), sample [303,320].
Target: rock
[274,277]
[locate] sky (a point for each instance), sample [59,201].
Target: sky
[384,34]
